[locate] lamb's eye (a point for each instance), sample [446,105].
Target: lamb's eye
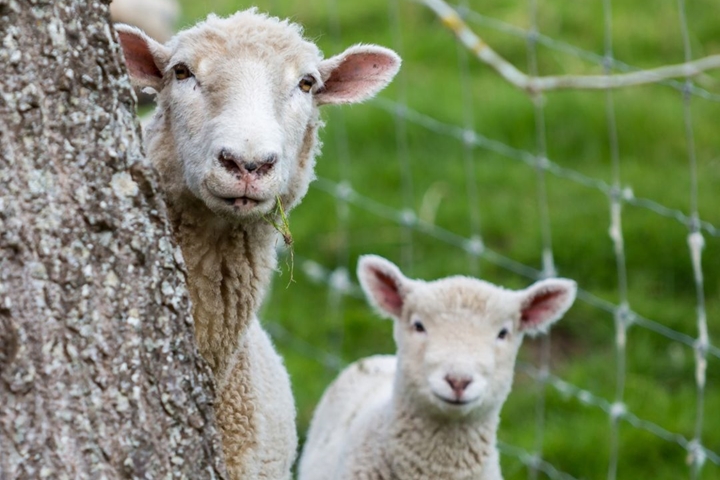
[503,334]
[182,71]
[418,327]
[306,83]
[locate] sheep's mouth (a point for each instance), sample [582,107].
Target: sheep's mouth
[244,201]
[454,401]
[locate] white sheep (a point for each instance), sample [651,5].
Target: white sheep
[431,412]
[234,134]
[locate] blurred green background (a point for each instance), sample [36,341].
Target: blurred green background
[402,165]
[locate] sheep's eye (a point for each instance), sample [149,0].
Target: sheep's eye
[182,71]
[418,327]
[503,334]
[306,83]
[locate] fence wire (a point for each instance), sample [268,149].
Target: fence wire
[619,198]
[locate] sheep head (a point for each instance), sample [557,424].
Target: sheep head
[240,96]
[458,337]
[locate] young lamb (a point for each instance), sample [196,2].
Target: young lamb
[235,134]
[431,412]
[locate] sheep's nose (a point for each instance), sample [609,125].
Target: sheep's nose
[263,165]
[230,161]
[238,164]
[458,384]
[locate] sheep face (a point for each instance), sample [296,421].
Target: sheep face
[240,121]
[240,95]
[458,337]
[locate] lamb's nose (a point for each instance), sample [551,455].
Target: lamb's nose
[458,384]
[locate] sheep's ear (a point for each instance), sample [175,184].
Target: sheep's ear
[145,58]
[357,74]
[545,302]
[384,284]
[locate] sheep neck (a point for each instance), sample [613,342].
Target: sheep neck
[229,264]
[229,268]
[422,446]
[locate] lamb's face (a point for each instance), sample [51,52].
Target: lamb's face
[241,96]
[458,337]
[457,342]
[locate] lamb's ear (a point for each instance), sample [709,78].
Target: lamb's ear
[545,302]
[384,284]
[145,58]
[357,74]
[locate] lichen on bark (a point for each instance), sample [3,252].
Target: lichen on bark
[99,374]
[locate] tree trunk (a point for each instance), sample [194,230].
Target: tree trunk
[99,374]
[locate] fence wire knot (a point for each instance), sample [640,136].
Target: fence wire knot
[542,162]
[475,246]
[624,316]
[408,217]
[628,194]
[469,138]
[617,411]
[696,454]
[344,190]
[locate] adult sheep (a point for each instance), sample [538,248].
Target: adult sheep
[235,136]
[433,411]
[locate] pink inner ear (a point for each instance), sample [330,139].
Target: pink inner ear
[387,293]
[357,74]
[541,308]
[138,58]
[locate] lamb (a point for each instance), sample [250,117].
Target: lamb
[432,411]
[234,139]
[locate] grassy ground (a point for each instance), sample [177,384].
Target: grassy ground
[316,329]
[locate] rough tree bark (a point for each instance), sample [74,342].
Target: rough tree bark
[99,374]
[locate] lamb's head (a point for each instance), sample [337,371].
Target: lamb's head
[239,97]
[458,337]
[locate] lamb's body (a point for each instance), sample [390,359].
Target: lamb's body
[358,432]
[351,405]
[433,411]
[234,139]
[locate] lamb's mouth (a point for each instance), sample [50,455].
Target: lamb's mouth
[454,401]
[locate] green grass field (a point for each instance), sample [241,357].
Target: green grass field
[316,328]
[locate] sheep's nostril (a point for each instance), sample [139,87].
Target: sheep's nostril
[229,161]
[458,384]
[271,159]
[267,163]
[229,165]
[238,164]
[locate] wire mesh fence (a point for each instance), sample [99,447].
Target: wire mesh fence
[458,170]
